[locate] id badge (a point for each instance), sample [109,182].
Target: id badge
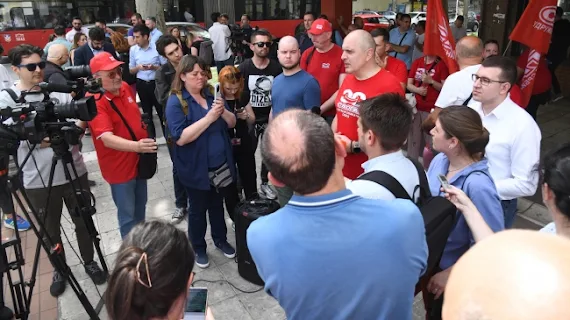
[236,141]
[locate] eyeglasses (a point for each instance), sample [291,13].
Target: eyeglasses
[114,73]
[33,66]
[233,76]
[262,44]
[485,81]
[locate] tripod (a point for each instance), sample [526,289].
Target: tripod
[58,138]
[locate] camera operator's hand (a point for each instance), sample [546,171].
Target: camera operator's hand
[46,143]
[147,145]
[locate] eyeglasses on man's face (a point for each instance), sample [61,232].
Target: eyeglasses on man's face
[485,81]
[33,66]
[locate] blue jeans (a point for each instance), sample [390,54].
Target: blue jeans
[221,64]
[130,198]
[509,211]
[200,202]
[181,198]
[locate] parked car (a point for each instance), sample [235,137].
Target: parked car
[471,21]
[389,15]
[366,12]
[185,28]
[373,21]
[417,16]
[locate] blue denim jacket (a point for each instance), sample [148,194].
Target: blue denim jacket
[191,160]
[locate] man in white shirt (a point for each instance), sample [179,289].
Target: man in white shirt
[458,86]
[188,16]
[420,36]
[383,127]
[220,35]
[457,29]
[77,27]
[514,141]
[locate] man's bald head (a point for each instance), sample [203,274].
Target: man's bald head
[363,38]
[58,54]
[358,52]
[523,275]
[288,53]
[298,148]
[288,41]
[469,47]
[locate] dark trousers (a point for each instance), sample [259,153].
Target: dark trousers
[59,194]
[555,84]
[231,198]
[180,195]
[259,129]
[221,64]
[202,201]
[148,100]
[535,101]
[509,211]
[245,160]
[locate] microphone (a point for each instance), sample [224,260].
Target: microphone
[316,110]
[57,87]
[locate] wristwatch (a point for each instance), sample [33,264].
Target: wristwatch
[355,147]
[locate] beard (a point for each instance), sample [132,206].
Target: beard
[293,66]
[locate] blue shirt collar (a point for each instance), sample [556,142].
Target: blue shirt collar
[383,159]
[322,200]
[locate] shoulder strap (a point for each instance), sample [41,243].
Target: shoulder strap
[387,181]
[183,102]
[470,173]
[433,65]
[424,184]
[12,94]
[399,44]
[124,120]
[310,56]
[466,102]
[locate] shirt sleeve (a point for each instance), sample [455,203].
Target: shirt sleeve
[525,156]
[481,190]
[402,73]
[304,60]
[312,94]
[447,95]
[175,117]
[132,58]
[102,122]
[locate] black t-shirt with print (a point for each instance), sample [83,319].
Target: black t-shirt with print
[257,87]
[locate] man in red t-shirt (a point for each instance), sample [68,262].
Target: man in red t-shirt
[365,80]
[117,151]
[396,66]
[425,81]
[323,61]
[542,82]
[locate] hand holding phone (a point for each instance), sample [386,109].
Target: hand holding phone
[444,183]
[217,90]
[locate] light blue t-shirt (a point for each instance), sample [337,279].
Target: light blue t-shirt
[409,40]
[340,256]
[301,91]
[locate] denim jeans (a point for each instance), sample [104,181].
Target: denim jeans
[202,201]
[221,64]
[130,198]
[509,211]
[181,198]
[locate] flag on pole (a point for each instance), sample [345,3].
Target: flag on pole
[534,30]
[438,37]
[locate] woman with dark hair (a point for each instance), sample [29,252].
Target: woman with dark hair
[202,153]
[152,274]
[460,139]
[175,32]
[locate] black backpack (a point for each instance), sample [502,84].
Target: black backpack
[439,214]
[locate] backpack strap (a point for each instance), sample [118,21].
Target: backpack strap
[387,181]
[424,184]
[310,56]
[12,94]
[466,102]
[470,173]
[183,102]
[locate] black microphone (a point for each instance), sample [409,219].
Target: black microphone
[57,87]
[316,110]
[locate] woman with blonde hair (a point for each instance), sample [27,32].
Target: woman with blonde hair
[78,40]
[121,44]
[202,154]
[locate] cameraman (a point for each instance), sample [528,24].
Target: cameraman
[28,65]
[247,30]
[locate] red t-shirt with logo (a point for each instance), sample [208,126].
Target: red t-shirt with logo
[326,68]
[117,166]
[351,93]
[543,79]
[398,68]
[438,71]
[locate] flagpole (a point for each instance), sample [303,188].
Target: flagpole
[508,47]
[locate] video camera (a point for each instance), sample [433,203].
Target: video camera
[238,35]
[34,121]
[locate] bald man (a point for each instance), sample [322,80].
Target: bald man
[325,232]
[57,56]
[458,87]
[522,275]
[362,82]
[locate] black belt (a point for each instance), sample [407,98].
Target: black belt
[145,81]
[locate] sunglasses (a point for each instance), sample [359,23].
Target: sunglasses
[262,44]
[33,66]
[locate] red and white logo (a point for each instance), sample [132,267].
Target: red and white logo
[320,26]
[447,47]
[20,37]
[325,65]
[530,70]
[7,38]
[352,97]
[545,19]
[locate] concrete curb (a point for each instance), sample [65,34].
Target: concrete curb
[534,212]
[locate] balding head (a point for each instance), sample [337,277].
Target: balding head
[58,54]
[522,275]
[298,147]
[358,52]
[469,50]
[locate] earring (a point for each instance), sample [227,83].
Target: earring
[450,147]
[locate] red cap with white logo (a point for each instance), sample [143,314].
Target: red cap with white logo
[104,61]
[319,26]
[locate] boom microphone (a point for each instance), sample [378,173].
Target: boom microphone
[57,87]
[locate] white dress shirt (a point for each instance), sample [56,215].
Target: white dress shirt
[513,150]
[219,34]
[394,164]
[457,87]
[69,36]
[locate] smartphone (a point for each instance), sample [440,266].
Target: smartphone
[443,180]
[196,304]
[217,91]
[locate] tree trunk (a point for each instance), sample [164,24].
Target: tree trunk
[152,8]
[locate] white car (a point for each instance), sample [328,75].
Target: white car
[417,16]
[390,15]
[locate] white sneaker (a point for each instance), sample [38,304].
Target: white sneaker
[265,191]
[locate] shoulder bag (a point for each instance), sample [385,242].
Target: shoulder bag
[147,161]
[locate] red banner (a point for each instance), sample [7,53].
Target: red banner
[438,37]
[534,30]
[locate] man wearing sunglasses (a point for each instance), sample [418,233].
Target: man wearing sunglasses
[28,65]
[258,74]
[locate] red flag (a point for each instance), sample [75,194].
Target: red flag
[438,37]
[534,30]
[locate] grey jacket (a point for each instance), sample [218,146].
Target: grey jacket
[163,81]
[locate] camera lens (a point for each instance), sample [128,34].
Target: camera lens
[83,109]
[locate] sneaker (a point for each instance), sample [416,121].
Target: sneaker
[556,98]
[265,191]
[227,249]
[23,225]
[234,226]
[178,215]
[202,260]
[87,132]
[95,273]
[57,285]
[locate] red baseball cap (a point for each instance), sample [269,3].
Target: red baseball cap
[104,61]
[319,26]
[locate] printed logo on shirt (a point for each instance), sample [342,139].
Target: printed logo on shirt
[260,90]
[420,71]
[326,65]
[350,103]
[131,100]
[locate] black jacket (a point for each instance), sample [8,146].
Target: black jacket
[54,73]
[163,81]
[84,54]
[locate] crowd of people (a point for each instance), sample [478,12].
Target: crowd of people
[324,116]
